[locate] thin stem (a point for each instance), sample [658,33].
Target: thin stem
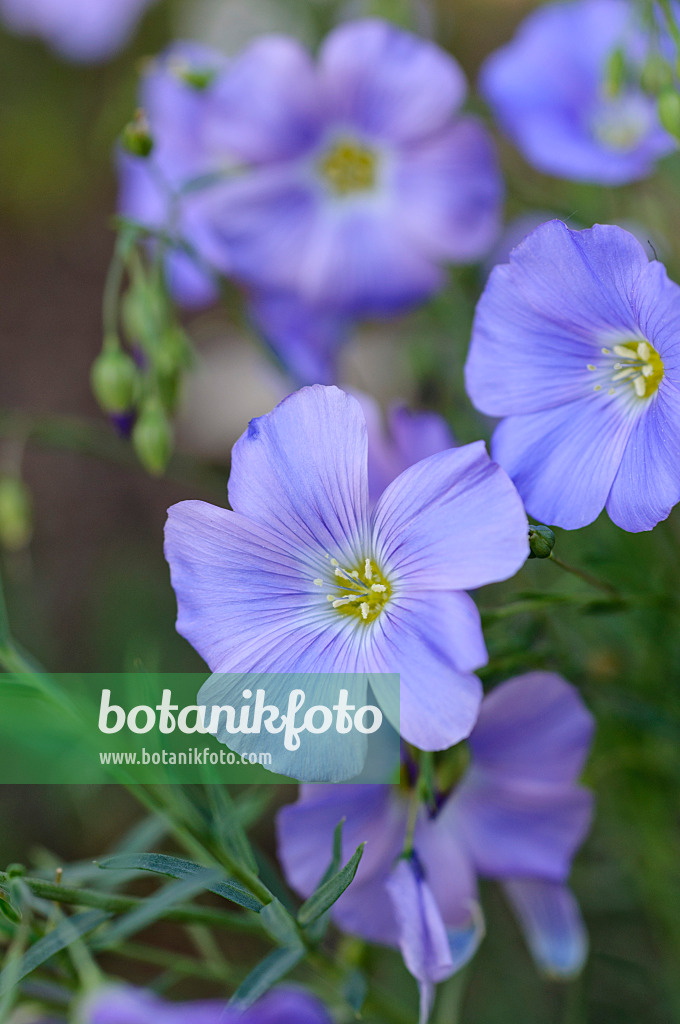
[121,904]
[586,577]
[169,961]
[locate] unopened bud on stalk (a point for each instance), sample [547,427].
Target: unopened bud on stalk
[16,514]
[656,74]
[669,111]
[136,136]
[152,437]
[114,378]
[541,541]
[615,74]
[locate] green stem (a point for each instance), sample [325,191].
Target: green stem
[542,602]
[121,904]
[91,438]
[586,577]
[169,961]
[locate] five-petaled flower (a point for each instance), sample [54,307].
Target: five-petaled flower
[302,577]
[517,815]
[576,344]
[548,90]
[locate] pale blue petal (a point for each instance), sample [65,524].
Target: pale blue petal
[387,82]
[448,192]
[301,469]
[533,728]
[552,925]
[454,521]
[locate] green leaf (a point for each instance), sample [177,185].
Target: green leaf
[175,867]
[8,905]
[266,974]
[280,924]
[332,885]
[156,906]
[4,621]
[230,832]
[69,930]
[355,989]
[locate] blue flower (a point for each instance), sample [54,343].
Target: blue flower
[517,815]
[127,1005]
[576,344]
[348,181]
[80,30]
[547,89]
[302,577]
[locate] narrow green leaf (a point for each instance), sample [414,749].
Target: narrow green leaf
[175,867]
[355,989]
[157,905]
[4,620]
[8,905]
[280,924]
[230,832]
[330,890]
[266,974]
[67,931]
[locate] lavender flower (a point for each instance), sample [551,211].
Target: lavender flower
[576,343]
[125,1005]
[300,577]
[517,815]
[80,30]
[548,91]
[350,180]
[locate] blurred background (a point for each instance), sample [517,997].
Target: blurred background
[91,591]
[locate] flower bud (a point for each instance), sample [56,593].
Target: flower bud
[136,136]
[114,378]
[656,74]
[541,541]
[615,74]
[669,111]
[152,438]
[16,514]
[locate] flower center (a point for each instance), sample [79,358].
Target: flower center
[349,167]
[631,364]
[362,592]
[622,122]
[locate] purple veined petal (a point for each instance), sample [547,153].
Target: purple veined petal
[387,82]
[305,837]
[449,871]
[647,484]
[544,317]
[422,933]
[552,924]
[448,192]
[320,757]
[266,220]
[453,521]
[433,640]
[302,469]
[283,1004]
[517,829]
[268,105]
[246,597]
[305,338]
[563,461]
[360,261]
[405,438]
[533,728]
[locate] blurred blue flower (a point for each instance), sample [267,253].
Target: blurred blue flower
[80,30]
[517,815]
[576,343]
[126,1005]
[548,90]
[302,577]
[347,182]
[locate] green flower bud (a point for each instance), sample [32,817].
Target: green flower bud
[541,541]
[669,111]
[16,870]
[615,73]
[656,74]
[152,438]
[136,136]
[16,514]
[114,378]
